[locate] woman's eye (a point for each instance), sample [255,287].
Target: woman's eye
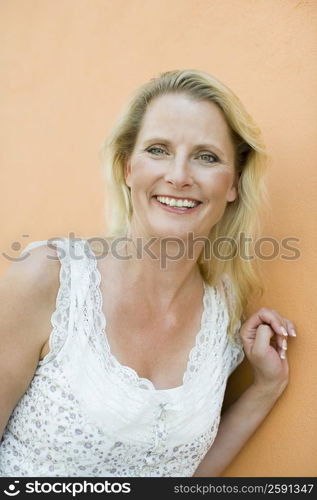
[209,158]
[155,150]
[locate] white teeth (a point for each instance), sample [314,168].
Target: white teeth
[173,202]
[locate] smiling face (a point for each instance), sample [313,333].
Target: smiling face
[183,151]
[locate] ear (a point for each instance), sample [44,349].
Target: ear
[127,172]
[233,191]
[232,194]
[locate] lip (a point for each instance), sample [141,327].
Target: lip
[176,210]
[178,197]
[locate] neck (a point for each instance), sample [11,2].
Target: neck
[162,270]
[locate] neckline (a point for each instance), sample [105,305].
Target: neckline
[139,382]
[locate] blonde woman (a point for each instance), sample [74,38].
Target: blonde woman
[130,380]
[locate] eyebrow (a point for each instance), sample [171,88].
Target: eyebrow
[162,140]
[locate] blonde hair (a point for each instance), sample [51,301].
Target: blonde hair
[240,216]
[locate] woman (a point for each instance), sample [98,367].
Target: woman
[140,394]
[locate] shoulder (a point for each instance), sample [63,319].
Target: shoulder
[29,287]
[28,292]
[36,269]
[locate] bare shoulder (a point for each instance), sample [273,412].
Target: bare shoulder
[28,291]
[34,277]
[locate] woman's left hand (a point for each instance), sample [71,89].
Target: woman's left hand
[264,337]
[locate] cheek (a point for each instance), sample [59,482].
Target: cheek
[142,175]
[218,184]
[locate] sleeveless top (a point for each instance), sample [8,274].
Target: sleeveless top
[85,414]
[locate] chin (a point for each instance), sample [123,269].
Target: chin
[171,231]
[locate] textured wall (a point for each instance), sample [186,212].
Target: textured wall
[66,69]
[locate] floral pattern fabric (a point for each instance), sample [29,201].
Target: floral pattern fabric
[85,414]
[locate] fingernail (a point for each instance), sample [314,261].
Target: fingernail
[292,332]
[284,344]
[282,355]
[284,332]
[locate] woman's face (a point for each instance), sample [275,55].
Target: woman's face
[183,152]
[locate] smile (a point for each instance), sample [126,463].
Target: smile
[176,205]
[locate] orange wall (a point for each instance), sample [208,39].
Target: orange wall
[66,69]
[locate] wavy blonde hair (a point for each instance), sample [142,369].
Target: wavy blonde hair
[240,216]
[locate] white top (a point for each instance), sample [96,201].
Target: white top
[85,414]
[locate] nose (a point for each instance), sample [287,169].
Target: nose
[179,173]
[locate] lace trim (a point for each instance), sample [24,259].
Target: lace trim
[201,349]
[197,355]
[60,317]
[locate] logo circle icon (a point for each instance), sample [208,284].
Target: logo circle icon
[12,490]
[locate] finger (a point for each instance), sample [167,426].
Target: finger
[288,324]
[269,317]
[282,321]
[282,353]
[290,327]
[262,340]
[264,335]
[281,340]
[282,347]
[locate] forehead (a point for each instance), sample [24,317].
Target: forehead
[183,117]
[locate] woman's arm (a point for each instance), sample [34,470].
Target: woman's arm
[28,292]
[264,337]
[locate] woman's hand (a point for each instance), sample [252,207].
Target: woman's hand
[264,337]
